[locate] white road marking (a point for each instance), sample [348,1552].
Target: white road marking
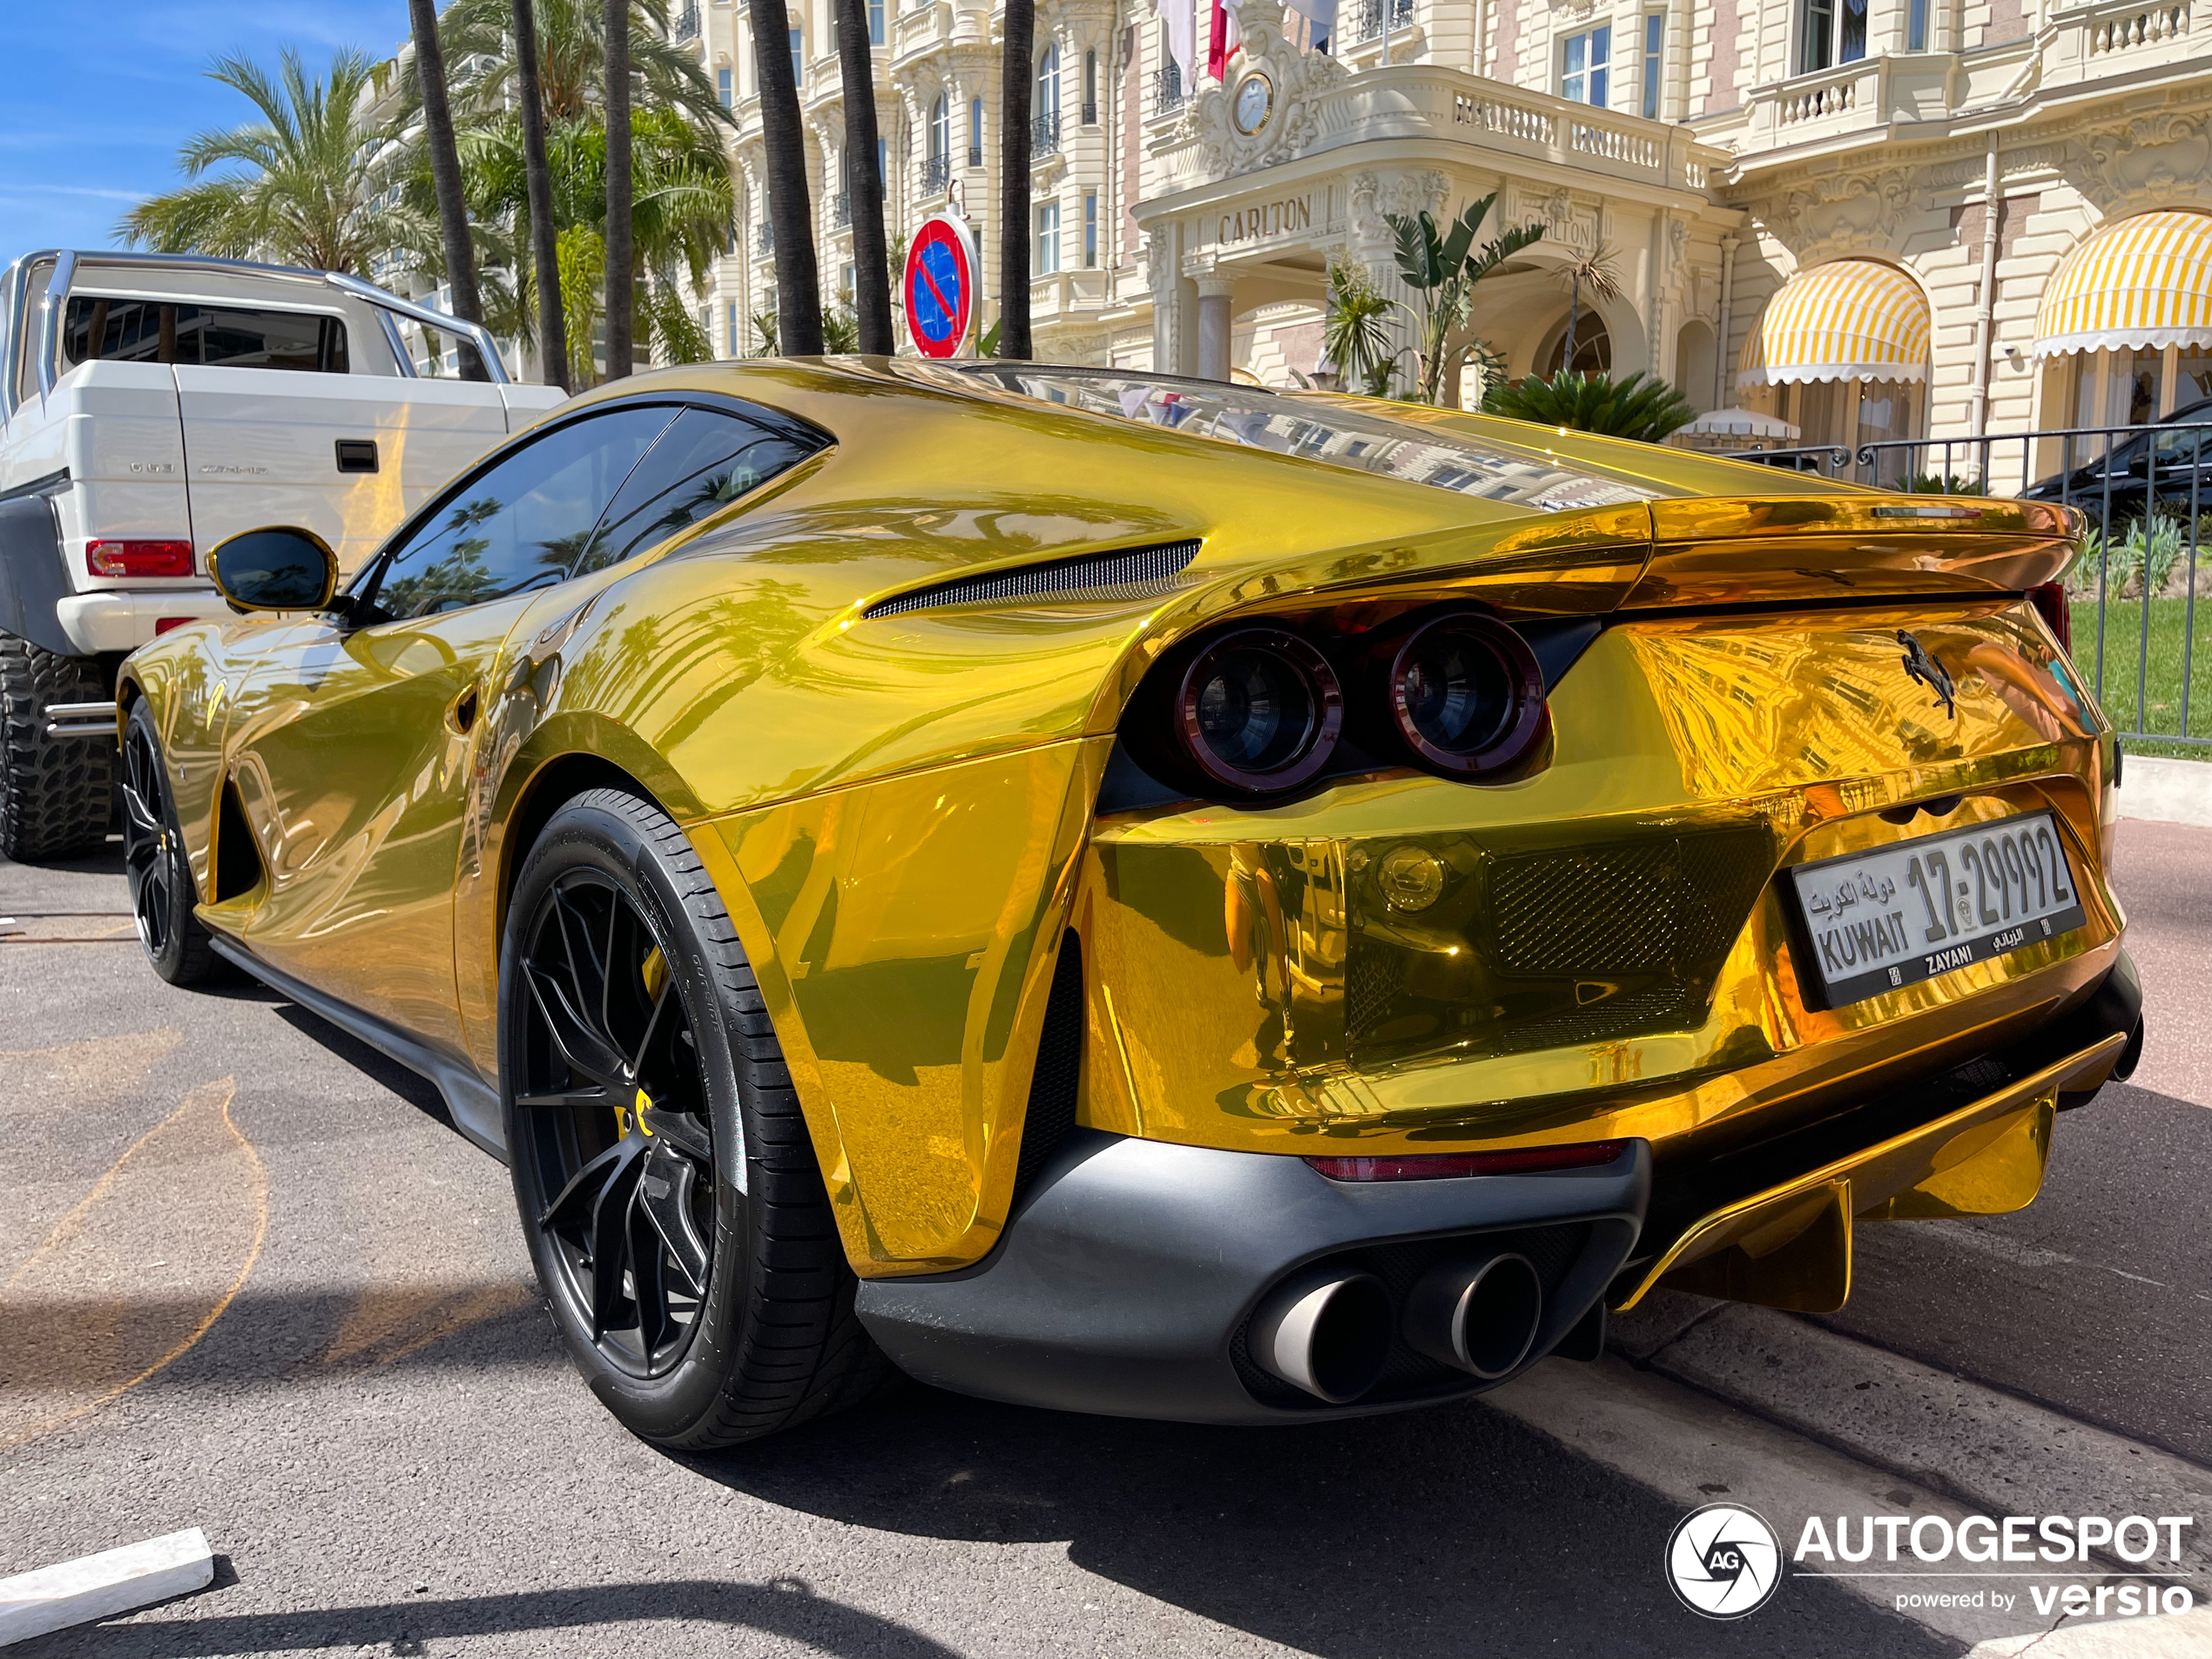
[99,1587]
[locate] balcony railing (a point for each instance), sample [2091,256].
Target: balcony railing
[1090,115]
[1044,134]
[1167,95]
[687,23]
[2132,594]
[974,155]
[841,208]
[936,174]
[764,239]
[1369,25]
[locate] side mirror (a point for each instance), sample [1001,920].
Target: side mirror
[281,568]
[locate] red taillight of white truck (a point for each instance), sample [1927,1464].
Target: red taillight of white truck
[138,558]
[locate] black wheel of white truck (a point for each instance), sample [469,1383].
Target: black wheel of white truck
[56,794]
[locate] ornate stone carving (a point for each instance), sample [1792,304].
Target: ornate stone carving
[1299,79]
[2160,158]
[1846,212]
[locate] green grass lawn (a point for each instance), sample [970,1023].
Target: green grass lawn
[2142,691]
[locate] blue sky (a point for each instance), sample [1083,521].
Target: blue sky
[96,95]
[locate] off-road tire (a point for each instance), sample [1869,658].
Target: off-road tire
[158,873]
[56,794]
[775,1340]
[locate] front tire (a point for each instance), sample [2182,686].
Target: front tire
[154,865]
[56,794]
[668,1189]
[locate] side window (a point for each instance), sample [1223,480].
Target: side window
[522,522]
[702,463]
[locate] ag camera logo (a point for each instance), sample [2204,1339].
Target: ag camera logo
[1723,1562]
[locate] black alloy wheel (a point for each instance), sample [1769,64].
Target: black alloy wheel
[155,867]
[668,1192]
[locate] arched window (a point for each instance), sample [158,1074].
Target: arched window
[1090,88]
[1047,98]
[940,128]
[976,132]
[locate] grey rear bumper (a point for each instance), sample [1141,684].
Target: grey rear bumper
[1125,1280]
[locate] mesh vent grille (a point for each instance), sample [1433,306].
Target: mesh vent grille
[1053,1086]
[1133,575]
[1670,904]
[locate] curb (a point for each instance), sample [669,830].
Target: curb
[2178,791]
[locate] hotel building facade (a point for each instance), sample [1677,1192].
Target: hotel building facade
[1874,218]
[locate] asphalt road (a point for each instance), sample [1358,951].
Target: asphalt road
[250,1280]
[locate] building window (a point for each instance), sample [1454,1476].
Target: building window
[1047,95]
[726,86]
[1090,88]
[1048,238]
[1090,230]
[1830,32]
[1916,25]
[1583,62]
[1654,61]
[798,60]
[976,132]
[736,344]
[940,128]
[875,23]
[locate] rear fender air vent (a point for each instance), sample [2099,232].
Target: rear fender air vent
[1137,573]
[1055,1085]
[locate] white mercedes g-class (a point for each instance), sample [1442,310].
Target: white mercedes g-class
[154,404]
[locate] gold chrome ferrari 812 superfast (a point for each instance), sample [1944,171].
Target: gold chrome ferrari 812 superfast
[1149,896]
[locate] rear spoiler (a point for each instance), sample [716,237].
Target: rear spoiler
[1746,550]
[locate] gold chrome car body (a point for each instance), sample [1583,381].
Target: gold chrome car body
[900,810]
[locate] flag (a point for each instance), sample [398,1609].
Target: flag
[1182,28]
[1322,14]
[1223,41]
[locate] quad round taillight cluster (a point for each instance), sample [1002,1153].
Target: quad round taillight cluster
[1261,710]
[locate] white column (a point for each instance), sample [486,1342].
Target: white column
[1216,301]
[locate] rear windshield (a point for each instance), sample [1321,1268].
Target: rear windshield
[162,331]
[1320,431]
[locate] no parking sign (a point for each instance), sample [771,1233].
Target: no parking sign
[940,286]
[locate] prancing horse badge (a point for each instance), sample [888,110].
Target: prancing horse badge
[1923,668]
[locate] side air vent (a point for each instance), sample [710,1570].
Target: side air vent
[1136,574]
[238,858]
[1060,1060]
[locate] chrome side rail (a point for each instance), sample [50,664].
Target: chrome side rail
[81,719]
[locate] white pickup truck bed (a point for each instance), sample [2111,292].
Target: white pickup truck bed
[156,403]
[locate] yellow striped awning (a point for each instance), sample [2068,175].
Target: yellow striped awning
[1850,319]
[2139,282]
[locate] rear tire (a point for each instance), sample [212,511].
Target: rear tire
[56,794]
[668,1188]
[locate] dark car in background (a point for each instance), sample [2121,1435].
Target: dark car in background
[2171,461]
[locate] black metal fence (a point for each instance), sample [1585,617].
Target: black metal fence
[2133,591]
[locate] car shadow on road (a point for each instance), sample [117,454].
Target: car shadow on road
[1453,1531]
[409,1085]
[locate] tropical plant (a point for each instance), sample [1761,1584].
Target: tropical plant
[1443,268]
[572,42]
[1489,364]
[545,233]
[783,143]
[1635,408]
[1354,330]
[460,251]
[1945,484]
[621,248]
[763,333]
[1017,76]
[863,181]
[840,328]
[1592,268]
[313,190]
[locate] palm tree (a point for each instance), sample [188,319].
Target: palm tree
[1353,332]
[545,260]
[621,250]
[572,58]
[445,174]
[1443,268]
[864,180]
[1016,71]
[313,192]
[1595,271]
[799,287]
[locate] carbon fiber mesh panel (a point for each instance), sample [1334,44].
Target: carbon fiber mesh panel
[1669,904]
[1133,575]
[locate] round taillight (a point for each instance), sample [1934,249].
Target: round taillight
[1464,693]
[1257,711]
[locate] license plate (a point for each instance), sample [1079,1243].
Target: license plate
[1898,914]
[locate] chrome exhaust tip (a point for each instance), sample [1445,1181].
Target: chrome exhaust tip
[1481,1313]
[1326,1333]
